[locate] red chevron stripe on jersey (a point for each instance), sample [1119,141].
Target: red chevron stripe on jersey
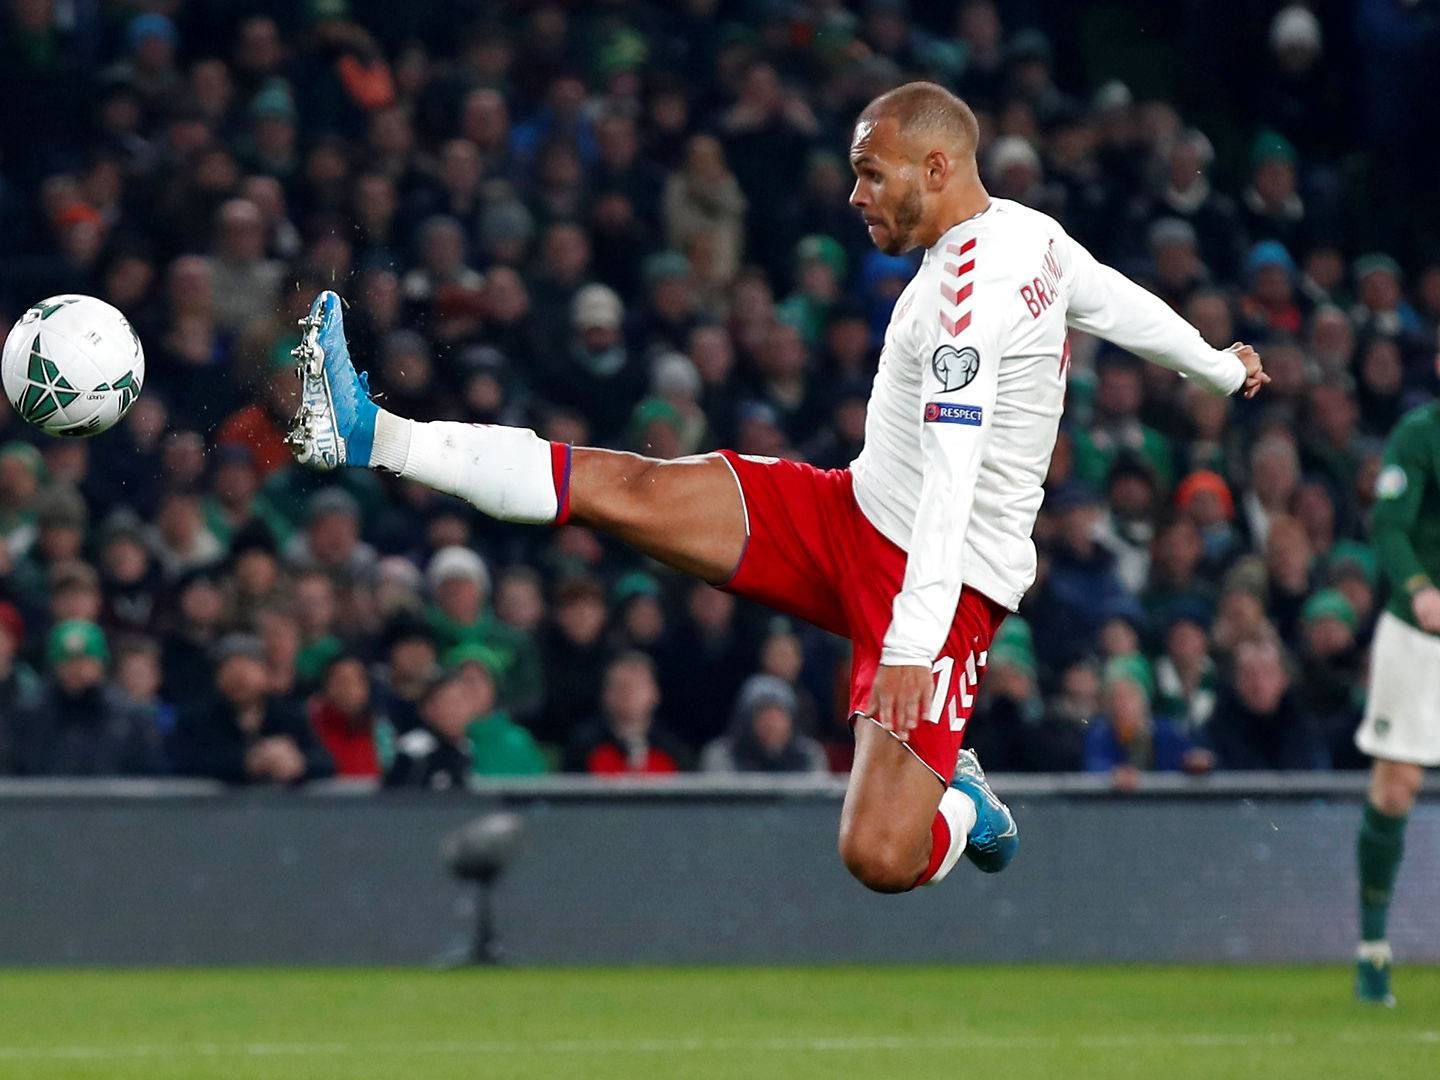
[957,293]
[957,296]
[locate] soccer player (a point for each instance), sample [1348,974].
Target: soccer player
[1401,727]
[919,549]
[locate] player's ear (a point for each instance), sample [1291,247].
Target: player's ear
[937,169]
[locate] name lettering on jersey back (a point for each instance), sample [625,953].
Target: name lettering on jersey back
[1044,288]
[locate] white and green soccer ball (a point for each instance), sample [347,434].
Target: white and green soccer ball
[72,365]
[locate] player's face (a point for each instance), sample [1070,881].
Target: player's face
[887,189]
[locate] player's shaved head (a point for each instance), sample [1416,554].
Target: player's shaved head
[913,153]
[927,113]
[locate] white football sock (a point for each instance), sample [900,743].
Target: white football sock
[959,814]
[502,471]
[1374,952]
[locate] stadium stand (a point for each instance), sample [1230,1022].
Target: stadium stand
[626,224]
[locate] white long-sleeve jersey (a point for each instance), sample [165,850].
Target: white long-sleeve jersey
[967,401]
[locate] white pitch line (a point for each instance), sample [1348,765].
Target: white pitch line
[812,1044]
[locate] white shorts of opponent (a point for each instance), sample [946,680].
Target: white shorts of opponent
[1402,710]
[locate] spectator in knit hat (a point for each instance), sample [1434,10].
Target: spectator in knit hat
[1331,675]
[271,147]
[596,372]
[1301,88]
[459,585]
[655,430]
[1268,306]
[21,471]
[1271,207]
[675,381]
[1185,193]
[81,726]
[498,745]
[129,576]
[671,312]
[1382,308]
[244,734]
[820,274]
[640,620]
[1351,569]
[1175,252]
[1204,499]
[150,67]
[763,735]
[1128,739]
[331,541]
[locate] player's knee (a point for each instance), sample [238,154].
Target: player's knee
[1394,787]
[879,862]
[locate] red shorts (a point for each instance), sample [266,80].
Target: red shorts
[812,554]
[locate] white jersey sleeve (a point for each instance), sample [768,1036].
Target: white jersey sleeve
[1104,302]
[958,349]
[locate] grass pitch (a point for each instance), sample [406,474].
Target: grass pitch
[986,1023]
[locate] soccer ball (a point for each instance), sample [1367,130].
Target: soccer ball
[72,366]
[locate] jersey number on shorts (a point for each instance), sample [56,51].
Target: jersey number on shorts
[964,689]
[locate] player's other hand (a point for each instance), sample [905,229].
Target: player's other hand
[900,696]
[1426,605]
[1255,376]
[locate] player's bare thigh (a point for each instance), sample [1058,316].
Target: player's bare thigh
[889,806]
[687,513]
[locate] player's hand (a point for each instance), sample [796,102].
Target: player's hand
[900,696]
[1426,605]
[1255,376]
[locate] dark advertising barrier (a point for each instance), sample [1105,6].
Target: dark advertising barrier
[182,875]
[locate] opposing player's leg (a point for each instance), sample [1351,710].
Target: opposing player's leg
[685,513]
[1394,786]
[1401,732]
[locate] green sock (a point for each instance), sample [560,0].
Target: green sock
[1382,843]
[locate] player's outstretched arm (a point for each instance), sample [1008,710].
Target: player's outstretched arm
[1104,302]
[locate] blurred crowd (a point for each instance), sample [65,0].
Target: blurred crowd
[626,224]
